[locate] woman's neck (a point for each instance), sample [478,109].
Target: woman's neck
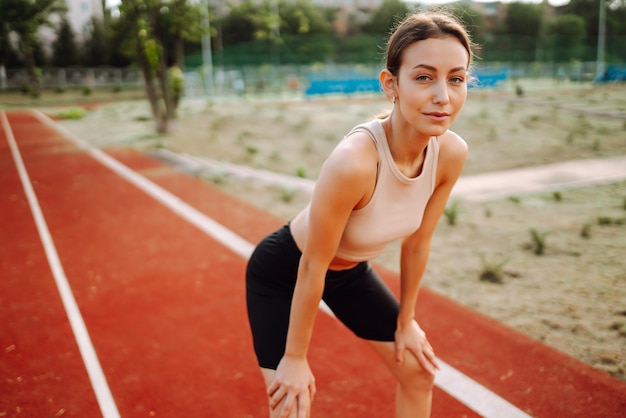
[406,145]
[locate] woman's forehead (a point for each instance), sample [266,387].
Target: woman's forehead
[447,52]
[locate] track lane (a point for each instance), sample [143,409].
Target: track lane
[41,368]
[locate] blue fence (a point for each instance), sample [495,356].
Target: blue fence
[613,74]
[359,85]
[489,77]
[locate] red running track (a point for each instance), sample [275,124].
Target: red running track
[162,303]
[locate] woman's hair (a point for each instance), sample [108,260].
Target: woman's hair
[419,27]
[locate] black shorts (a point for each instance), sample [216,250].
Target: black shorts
[357,296]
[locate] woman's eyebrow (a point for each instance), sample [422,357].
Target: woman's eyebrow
[431,68]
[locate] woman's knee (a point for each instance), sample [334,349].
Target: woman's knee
[413,375]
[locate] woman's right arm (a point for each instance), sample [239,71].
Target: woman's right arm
[345,179]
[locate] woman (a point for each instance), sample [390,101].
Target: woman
[388,179]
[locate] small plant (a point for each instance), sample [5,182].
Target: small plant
[243,135]
[75,113]
[301,171]
[538,240]
[515,199]
[252,150]
[451,212]
[585,232]
[608,220]
[595,146]
[557,196]
[275,156]
[519,90]
[492,272]
[86,91]
[487,212]
[287,194]
[217,177]
[624,204]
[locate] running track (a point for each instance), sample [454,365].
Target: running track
[122,295]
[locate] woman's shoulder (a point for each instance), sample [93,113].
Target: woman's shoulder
[452,144]
[356,154]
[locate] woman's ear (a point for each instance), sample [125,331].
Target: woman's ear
[388,83]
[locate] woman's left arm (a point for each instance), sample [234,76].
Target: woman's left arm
[416,250]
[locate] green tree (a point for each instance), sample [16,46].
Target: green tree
[615,25]
[24,18]
[96,48]
[64,50]
[564,37]
[155,25]
[386,17]
[521,30]
[472,19]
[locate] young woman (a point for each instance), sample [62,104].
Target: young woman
[388,179]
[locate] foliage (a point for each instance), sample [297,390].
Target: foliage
[492,271]
[565,34]
[97,46]
[385,17]
[538,240]
[74,113]
[64,50]
[151,25]
[24,18]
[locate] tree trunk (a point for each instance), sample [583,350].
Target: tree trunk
[158,114]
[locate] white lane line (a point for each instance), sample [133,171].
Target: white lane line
[87,351]
[469,392]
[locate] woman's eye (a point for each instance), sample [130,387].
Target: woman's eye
[422,78]
[457,80]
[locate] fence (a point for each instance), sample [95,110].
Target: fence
[62,78]
[297,80]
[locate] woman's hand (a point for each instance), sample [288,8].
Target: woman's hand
[412,338]
[295,385]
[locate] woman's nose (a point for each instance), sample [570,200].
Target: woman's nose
[440,94]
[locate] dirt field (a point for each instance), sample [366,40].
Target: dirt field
[572,296]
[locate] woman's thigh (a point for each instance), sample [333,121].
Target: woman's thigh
[362,301]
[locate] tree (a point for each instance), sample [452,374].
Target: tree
[522,27]
[386,17]
[24,18]
[565,35]
[96,48]
[64,49]
[154,26]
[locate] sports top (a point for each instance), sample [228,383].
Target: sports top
[397,205]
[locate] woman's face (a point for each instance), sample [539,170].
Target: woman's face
[432,84]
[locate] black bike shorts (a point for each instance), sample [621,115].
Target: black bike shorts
[357,296]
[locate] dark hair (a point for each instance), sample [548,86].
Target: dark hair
[421,26]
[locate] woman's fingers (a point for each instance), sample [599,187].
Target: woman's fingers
[400,353]
[304,406]
[426,358]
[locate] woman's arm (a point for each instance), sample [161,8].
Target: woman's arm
[346,178]
[416,250]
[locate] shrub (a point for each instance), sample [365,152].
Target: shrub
[451,212]
[287,194]
[301,171]
[492,272]
[74,113]
[538,240]
[585,232]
